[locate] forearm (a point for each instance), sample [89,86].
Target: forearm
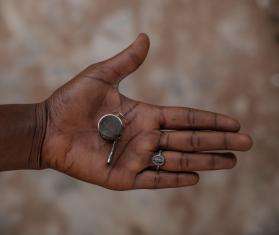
[22,130]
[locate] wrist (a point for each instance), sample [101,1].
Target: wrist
[35,160]
[21,136]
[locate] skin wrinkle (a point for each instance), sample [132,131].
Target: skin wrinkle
[185,156]
[215,121]
[161,140]
[192,141]
[156,180]
[39,117]
[98,79]
[102,101]
[162,117]
[177,179]
[148,162]
[129,122]
[69,167]
[181,160]
[130,141]
[119,107]
[191,118]
[113,164]
[44,121]
[225,141]
[107,179]
[54,126]
[45,130]
[134,182]
[52,116]
[114,71]
[121,103]
[126,145]
[117,98]
[131,109]
[168,141]
[213,162]
[67,151]
[47,116]
[196,140]
[134,59]
[36,151]
[107,72]
[55,160]
[30,162]
[161,133]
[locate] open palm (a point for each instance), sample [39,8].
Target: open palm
[73,145]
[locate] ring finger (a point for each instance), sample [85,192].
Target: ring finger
[185,162]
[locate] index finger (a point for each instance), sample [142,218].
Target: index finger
[194,119]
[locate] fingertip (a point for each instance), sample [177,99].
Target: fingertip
[187,179]
[144,38]
[227,123]
[235,124]
[127,61]
[195,178]
[232,124]
[232,160]
[143,42]
[245,141]
[249,142]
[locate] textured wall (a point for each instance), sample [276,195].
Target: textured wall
[217,55]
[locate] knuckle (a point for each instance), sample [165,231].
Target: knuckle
[177,179]
[191,113]
[184,162]
[156,180]
[225,141]
[215,119]
[164,140]
[195,141]
[162,116]
[212,162]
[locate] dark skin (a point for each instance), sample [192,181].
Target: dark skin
[61,132]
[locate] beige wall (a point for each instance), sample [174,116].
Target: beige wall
[217,55]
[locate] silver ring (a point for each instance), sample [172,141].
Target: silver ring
[158,160]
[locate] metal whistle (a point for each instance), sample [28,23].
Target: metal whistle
[110,127]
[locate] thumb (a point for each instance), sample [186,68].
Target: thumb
[121,65]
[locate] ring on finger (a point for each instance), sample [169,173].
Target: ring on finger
[158,160]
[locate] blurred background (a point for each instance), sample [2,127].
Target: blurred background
[217,55]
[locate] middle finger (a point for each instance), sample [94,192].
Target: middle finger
[192,141]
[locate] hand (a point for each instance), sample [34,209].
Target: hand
[73,146]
